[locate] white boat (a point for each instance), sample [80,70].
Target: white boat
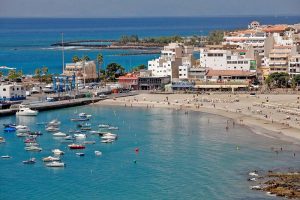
[25,111]
[52,129]
[35,90]
[32,144]
[24,130]
[109,136]
[33,148]
[84,115]
[57,152]
[80,154]
[22,134]
[6,156]
[48,89]
[21,127]
[103,126]
[55,164]
[54,123]
[59,134]
[107,141]
[80,136]
[98,153]
[113,128]
[51,159]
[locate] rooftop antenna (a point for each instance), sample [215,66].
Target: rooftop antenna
[63,51]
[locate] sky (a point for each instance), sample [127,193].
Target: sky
[147,8]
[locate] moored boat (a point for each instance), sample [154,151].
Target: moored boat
[76,146]
[26,111]
[59,134]
[98,153]
[33,148]
[2,140]
[103,125]
[80,154]
[6,156]
[30,161]
[9,129]
[57,152]
[80,136]
[55,164]
[51,159]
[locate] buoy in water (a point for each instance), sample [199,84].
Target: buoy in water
[237,148]
[136,150]
[134,161]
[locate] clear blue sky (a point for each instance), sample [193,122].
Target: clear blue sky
[146,8]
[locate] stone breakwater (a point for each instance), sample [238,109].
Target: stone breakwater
[282,184]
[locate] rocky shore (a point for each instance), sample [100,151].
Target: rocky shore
[282,184]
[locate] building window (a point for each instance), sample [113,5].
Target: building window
[245,62]
[17,88]
[4,89]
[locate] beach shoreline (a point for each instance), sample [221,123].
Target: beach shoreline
[238,109]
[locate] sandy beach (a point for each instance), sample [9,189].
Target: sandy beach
[275,116]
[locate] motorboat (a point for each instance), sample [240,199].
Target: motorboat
[23,130]
[59,134]
[2,140]
[6,156]
[76,146]
[84,115]
[113,128]
[52,129]
[35,133]
[89,142]
[80,154]
[58,152]
[80,119]
[22,134]
[55,164]
[30,161]
[69,137]
[33,148]
[35,90]
[109,136]
[29,140]
[107,141]
[84,125]
[51,159]
[48,89]
[80,136]
[26,111]
[21,127]
[103,126]
[86,128]
[98,153]
[9,125]
[9,129]
[54,123]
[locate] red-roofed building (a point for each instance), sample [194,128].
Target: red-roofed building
[129,81]
[235,75]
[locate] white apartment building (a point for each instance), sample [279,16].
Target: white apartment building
[224,60]
[294,65]
[245,39]
[12,92]
[175,58]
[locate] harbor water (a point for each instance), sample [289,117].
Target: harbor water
[181,156]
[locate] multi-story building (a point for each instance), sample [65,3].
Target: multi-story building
[225,60]
[294,65]
[84,71]
[174,57]
[12,92]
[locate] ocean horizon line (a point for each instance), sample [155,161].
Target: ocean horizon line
[150,17]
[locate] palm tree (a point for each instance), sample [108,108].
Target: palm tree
[85,58]
[75,59]
[45,70]
[99,62]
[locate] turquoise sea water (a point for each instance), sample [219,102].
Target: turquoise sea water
[25,43]
[181,157]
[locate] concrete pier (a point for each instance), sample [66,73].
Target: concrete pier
[43,106]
